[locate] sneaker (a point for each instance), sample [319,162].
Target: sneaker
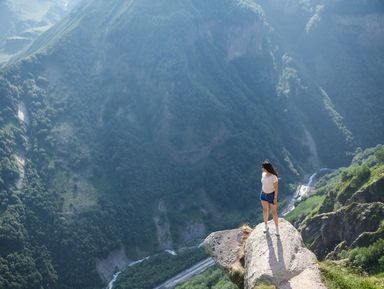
[277,233]
[265,230]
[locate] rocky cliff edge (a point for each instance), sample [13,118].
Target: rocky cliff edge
[252,257]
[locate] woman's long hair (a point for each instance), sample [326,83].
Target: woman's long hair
[269,168]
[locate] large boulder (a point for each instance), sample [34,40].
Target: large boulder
[227,249]
[282,260]
[255,258]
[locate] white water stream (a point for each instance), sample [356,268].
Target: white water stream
[22,114]
[110,284]
[19,156]
[303,191]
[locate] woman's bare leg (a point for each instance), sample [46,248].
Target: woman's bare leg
[275,218]
[265,211]
[274,214]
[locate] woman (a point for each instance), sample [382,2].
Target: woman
[269,193]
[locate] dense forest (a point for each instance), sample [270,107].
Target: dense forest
[141,125]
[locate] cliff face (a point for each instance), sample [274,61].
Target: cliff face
[251,257]
[340,229]
[147,119]
[352,211]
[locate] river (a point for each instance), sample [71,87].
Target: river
[110,284]
[179,278]
[303,190]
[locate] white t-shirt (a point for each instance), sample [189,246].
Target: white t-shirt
[267,183]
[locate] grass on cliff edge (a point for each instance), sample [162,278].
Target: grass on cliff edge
[336,276]
[305,208]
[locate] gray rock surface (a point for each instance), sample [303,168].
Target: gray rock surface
[282,260]
[115,261]
[373,193]
[227,249]
[224,247]
[253,257]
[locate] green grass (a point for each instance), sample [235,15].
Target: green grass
[305,208]
[377,172]
[76,193]
[265,287]
[339,277]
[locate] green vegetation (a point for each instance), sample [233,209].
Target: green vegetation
[363,266]
[379,154]
[107,152]
[335,275]
[307,207]
[159,268]
[369,259]
[336,189]
[213,278]
[340,277]
[160,110]
[352,179]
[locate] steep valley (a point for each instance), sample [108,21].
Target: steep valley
[139,126]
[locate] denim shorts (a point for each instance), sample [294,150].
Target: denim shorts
[267,197]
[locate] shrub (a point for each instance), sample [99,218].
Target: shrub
[362,173]
[379,154]
[369,258]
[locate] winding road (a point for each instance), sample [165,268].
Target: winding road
[187,274]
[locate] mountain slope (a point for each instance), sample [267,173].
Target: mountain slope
[21,22]
[142,126]
[339,45]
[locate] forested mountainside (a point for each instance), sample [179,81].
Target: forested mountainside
[142,125]
[22,21]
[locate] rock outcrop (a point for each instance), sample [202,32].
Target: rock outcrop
[115,261]
[254,258]
[227,249]
[325,232]
[373,193]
